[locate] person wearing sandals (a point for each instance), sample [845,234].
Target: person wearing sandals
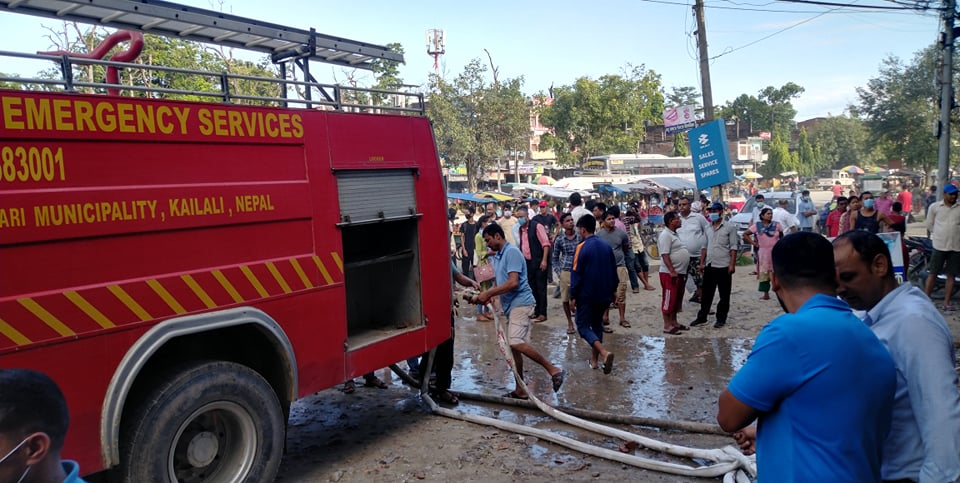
[517,301]
[674,262]
[370,379]
[593,281]
[763,235]
[564,247]
[619,241]
[943,223]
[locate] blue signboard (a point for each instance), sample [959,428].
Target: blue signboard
[711,154]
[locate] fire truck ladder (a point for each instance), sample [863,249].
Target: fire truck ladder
[283,44]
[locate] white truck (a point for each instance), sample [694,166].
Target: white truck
[826,179]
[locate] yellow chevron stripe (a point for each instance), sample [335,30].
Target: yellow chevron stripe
[253,281]
[198,290]
[323,269]
[13,334]
[278,277]
[162,292]
[217,274]
[127,300]
[90,310]
[46,317]
[299,270]
[337,260]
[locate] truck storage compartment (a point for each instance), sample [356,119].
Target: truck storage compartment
[379,226]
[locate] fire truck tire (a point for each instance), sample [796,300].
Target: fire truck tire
[209,421]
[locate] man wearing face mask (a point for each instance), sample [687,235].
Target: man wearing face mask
[719,263]
[868,218]
[807,211]
[509,223]
[33,425]
[535,246]
[818,380]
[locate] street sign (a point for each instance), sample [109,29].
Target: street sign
[711,155]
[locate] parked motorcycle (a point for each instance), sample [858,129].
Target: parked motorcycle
[920,250]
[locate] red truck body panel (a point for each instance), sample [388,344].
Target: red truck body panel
[117,214]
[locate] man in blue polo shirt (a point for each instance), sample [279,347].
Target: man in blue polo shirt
[518,303]
[818,381]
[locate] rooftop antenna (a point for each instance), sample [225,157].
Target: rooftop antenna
[436,44]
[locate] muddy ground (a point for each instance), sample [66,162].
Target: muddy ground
[390,435]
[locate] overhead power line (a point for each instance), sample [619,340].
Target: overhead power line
[862,9]
[854,5]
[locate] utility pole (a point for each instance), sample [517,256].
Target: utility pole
[705,61]
[705,72]
[946,95]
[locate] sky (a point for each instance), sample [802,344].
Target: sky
[752,44]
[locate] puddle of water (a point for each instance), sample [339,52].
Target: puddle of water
[656,377]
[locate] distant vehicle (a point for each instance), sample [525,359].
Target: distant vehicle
[771,199]
[826,179]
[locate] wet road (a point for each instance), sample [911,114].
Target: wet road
[656,377]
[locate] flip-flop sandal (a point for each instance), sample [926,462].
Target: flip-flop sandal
[682,327]
[607,330]
[608,363]
[557,380]
[349,387]
[594,367]
[571,331]
[625,324]
[673,331]
[514,395]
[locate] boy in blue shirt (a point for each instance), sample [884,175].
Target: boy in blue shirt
[818,381]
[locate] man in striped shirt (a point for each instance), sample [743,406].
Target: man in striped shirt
[564,247]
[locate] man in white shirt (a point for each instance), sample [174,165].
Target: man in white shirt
[787,220]
[693,234]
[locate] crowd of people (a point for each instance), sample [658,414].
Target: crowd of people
[855,382]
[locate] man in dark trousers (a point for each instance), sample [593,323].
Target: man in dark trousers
[593,281]
[468,232]
[719,262]
[535,246]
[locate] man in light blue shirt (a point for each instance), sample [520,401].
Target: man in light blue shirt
[807,212]
[924,440]
[517,301]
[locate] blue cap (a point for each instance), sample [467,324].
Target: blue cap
[949,189]
[716,205]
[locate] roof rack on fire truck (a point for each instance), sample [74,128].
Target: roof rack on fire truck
[283,44]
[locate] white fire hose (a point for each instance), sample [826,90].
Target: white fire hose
[729,462]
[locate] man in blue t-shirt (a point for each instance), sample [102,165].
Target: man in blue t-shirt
[518,303]
[818,381]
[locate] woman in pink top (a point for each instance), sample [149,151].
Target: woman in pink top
[764,234]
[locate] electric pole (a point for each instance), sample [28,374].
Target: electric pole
[705,61]
[946,95]
[705,72]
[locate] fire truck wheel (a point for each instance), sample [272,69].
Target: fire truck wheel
[211,422]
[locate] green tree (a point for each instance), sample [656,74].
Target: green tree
[778,159]
[771,110]
[476,122]
[841,141]
[603,116]
[900,105]
[684,96]
[680,146]
[807,162]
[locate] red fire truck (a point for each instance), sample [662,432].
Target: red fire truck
[186,270]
